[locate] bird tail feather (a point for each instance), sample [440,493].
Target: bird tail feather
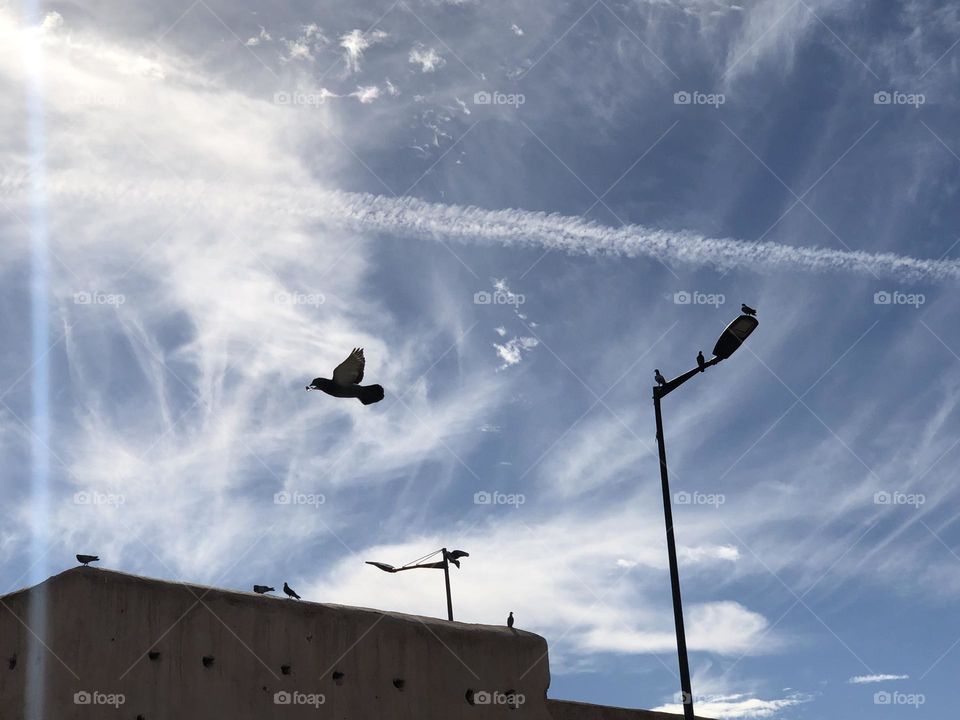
[370,394]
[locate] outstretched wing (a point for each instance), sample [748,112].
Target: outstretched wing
[350,371]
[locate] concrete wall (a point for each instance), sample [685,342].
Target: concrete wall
[102,625]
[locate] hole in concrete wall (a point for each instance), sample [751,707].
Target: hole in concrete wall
[469,695]
[153,654]
[207,660]
[309,637]
[399,683]
[141,717]
[12,662]
[338,677]
[285,669]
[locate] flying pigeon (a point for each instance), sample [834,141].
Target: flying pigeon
[261,589]
[659,378]
[510,619]
[289,591]
[747,310]
[700,361]
[346,378]
[84,559]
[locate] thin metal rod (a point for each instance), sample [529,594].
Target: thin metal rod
[685,685]
[446,579]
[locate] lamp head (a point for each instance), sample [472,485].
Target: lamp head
[734,335]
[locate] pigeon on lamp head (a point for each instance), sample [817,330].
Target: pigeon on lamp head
[346,378]
[455,555]
[747,310]
[84,559]
[659,378]
[701,362]
[510,619]
[261,589]
[289,591]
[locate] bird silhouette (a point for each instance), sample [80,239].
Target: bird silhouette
[84,559]
[747,310]
[261,589]
[659,378]
[701,362]
[455,555]
[290,592]
[510,619]
[346,378]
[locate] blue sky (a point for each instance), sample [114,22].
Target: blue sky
[206,205]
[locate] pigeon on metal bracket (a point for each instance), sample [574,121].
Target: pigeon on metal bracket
[84,559]
[701,361]
[346,378]
[659,378]
[747,310]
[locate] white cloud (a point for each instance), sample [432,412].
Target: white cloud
[366,93]
[578,585]
[51,21]
[867,679]
[511,352]
[310,39]
[706,553]
[426,57]
[730,707]
[355,42]
[209,357]
[263,36]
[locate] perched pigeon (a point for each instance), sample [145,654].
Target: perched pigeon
[747,310]
[84,559]
[510,619]
[289,591]
[261,589]
[659,378]
[701,362]
[455,555]
[346,378]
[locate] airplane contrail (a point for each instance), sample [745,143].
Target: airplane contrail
[420,220]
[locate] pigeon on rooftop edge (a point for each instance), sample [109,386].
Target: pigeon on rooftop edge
[261,589]
[289,591]
[84,559]
[346,378]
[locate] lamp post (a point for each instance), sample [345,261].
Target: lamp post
[731,339]
[449,556]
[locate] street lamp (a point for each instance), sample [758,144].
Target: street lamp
[449,556]
[728,342]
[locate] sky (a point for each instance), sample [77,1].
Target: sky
[519,211]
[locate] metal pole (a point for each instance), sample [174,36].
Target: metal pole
[674,571]
[446,579]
